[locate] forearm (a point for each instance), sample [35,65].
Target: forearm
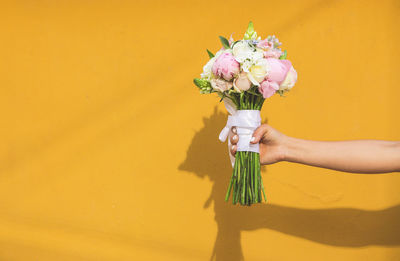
[358,156]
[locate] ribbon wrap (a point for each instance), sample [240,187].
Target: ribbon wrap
[245,121]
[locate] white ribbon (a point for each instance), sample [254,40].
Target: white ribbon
[245,121]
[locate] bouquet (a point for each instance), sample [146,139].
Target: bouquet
[244,73]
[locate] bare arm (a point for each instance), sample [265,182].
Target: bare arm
[356,156]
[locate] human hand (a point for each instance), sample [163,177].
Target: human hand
[272,143]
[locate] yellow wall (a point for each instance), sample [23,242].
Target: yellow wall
[108,151]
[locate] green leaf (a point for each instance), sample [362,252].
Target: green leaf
[225,42]
[210,54]
[283,56]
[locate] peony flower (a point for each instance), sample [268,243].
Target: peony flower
[258,71]
[220,85]
[289,81]
[268,88]
[242,83]
[278,69]
[225,66]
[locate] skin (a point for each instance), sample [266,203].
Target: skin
[355,156]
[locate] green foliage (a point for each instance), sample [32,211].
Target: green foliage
[210,54]
[225,42]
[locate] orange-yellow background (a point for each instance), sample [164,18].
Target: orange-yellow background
[108,151]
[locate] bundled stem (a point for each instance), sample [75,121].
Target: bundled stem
[246,182]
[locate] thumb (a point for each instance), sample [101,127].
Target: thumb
[259,133]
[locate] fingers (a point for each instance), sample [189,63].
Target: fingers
[233,150]
[259,133]
[234,137]
[257,136]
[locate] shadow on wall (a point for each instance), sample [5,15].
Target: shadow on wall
[346,227]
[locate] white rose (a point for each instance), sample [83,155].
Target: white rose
[242,51]
[258,72]
[289,81]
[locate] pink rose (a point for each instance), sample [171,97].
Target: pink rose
[225,66]
[242,83]
[220,85]
[278,69]
[268,88]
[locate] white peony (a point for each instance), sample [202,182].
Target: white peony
[258,71]
[289,81]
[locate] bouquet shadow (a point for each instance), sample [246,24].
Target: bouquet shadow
[346,227]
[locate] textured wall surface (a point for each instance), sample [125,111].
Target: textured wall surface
[108,151]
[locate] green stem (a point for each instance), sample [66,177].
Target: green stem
[246,182]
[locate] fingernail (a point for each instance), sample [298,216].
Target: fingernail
[235,137]
[253,139]
[234,129]
[233,147]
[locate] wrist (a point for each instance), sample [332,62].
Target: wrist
[290,149]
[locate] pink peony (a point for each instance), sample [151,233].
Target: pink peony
[268,88]
[278,69]
[289,81]
[225,66]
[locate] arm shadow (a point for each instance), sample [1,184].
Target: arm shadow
[345,227]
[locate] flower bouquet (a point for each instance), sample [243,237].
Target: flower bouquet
[244,73]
